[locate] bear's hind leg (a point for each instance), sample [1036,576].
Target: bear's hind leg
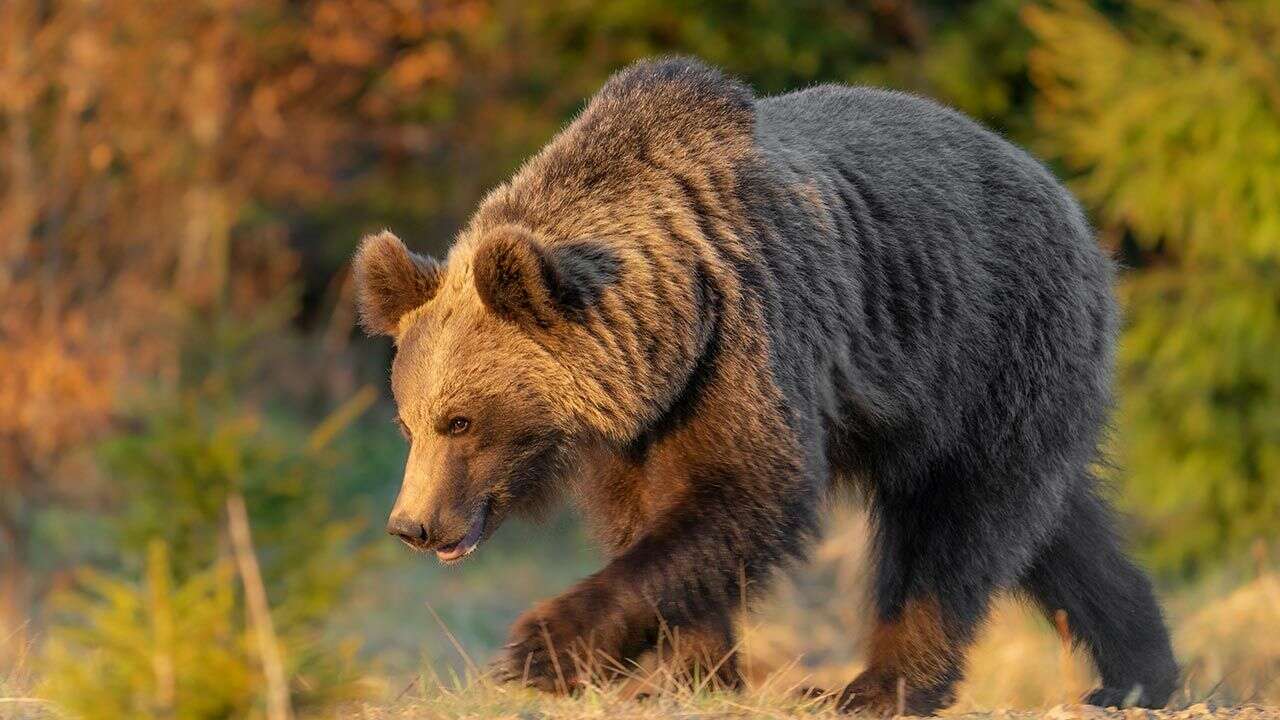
[1110,607]
[926,617]
[914,661]
[944,546]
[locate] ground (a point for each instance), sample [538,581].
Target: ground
[486,706]
[808,634]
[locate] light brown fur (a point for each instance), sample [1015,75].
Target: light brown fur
[660,197]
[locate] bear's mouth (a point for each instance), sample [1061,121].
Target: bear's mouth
[456,551]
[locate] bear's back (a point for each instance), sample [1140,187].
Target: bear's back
[949,269]
[925,158]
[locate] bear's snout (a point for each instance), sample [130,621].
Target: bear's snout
[452,537]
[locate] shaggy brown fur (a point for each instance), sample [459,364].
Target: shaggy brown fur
[617,246]
[697,313]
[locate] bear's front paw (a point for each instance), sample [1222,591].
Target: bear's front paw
[882,695]
[561,645]
[867,695]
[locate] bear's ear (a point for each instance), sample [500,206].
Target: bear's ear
[519,278]
[390,281]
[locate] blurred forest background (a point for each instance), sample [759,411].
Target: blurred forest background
[182,184]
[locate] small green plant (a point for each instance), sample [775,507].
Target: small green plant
[230,562]
[179,642]
[154,648]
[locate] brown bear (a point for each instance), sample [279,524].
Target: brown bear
[697,313]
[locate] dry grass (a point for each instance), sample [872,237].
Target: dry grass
[809,632]
[17,701]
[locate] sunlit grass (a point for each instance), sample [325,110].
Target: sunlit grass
[18,701]
[809,634]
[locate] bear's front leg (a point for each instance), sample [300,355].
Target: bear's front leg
[703,656]
[674,588]
[579,637]
[586,636]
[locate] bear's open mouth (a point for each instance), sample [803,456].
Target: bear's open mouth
[455,551]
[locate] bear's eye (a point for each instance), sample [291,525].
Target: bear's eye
[404,429]
[458,425]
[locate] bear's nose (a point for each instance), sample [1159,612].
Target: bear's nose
[406,529]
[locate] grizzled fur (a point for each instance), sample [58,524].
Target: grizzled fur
[698,313]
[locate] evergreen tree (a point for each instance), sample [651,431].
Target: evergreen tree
[1169,114]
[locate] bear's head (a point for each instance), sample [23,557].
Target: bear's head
[492,415]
